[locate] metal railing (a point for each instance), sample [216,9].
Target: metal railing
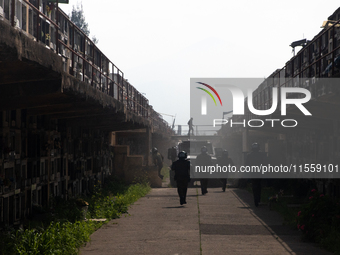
[45,23]
[198,130]
[320,58]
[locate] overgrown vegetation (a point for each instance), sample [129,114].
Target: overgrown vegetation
[56,238]
[319,221]
[62,229]
[317,217]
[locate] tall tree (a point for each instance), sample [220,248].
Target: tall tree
[94,39]
[78,18]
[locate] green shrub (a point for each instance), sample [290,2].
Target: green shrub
[57,238]
[68,232]
[67,210]
[319,220]
[111,202]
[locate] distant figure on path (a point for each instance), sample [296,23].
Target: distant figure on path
[191,124]
[224,160]
[157,160]
[182,175]
[204,160]
[256,158]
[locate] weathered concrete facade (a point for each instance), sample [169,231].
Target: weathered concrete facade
[316,138]
[63,105]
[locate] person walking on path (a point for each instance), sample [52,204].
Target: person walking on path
[182,175]
[204,160]
[158,161]
[224,160]
[256,158]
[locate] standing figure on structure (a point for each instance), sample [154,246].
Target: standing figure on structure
[158,161]
[224,160]
[191,125]
[182,175]
[203,160]
[256,158]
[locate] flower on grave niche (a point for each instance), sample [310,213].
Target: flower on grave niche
[313,190]
[310,197]
[322,195]
[298,226]
[302,227]
[299,213]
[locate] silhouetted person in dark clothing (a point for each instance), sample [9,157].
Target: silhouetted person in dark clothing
[191,126]
[158,161]
[224,160]
[172,154]
[256,158]
[182,175]
[204,160]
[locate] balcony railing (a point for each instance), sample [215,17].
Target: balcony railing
[319,59]
[45,23]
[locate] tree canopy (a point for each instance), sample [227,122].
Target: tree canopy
[78,18]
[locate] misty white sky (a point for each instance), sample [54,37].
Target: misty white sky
[160,45]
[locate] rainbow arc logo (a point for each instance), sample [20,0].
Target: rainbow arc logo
[208,92]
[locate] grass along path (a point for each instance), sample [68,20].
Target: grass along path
[66,231]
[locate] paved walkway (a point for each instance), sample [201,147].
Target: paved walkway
[217,223]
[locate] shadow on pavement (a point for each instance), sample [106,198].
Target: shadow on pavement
[172,207]
[161,195]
